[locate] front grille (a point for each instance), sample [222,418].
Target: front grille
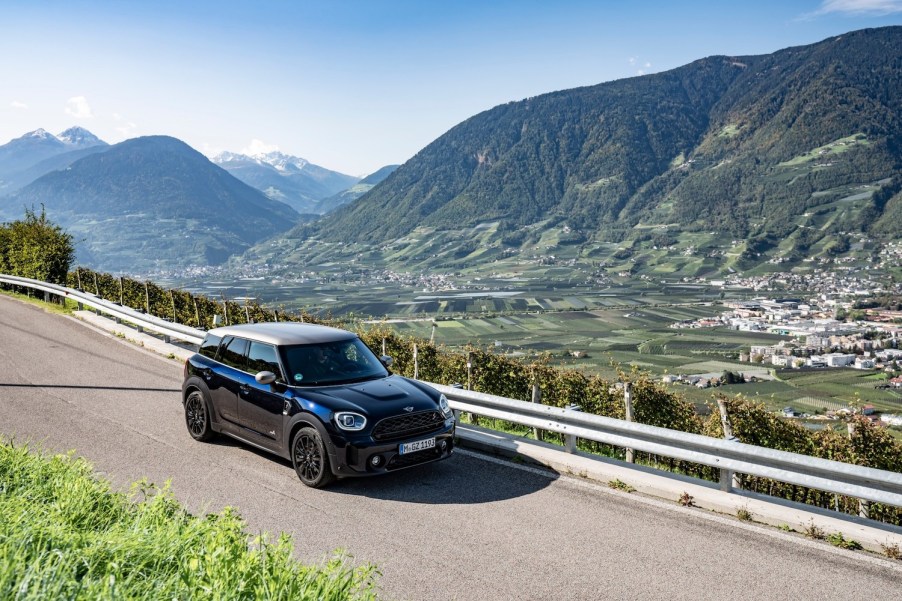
[401,461]
[405,426]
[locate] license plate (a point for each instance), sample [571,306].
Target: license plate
[420,445]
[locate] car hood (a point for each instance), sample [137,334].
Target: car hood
[390,394]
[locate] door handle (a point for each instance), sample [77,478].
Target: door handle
[245,388]
[286,407]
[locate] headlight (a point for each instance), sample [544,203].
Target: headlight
[445,407]
[350,421]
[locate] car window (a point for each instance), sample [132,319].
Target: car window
[234,353]
[209,346]
[263,357]
[331,363]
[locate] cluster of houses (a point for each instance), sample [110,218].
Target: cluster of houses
[868,411]
[818,339]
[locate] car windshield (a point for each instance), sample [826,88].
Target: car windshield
[331,363]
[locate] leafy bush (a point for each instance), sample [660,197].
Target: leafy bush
[36,248]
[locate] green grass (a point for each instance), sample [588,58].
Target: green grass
[64,309]
[65,534]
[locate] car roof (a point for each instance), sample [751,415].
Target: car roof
[284,332]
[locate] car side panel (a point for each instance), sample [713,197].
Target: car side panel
[260,409]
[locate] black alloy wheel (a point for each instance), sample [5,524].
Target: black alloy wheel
[196,417]
[309,458]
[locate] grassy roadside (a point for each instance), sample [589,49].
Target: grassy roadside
[65,534]
[66,308]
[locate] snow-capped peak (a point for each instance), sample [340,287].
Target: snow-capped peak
[38,133]
[79,136]
[275,159]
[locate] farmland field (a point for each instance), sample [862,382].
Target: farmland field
[595,330]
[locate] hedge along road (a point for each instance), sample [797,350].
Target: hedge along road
[467,528]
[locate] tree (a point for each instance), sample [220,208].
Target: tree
[36,248]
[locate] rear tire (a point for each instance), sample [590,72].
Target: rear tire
[197,418]
[309,458]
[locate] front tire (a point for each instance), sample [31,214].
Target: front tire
[197,418]
[309,458]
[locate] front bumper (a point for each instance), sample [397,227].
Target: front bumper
[355,457]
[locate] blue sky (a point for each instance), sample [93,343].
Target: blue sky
[355,85]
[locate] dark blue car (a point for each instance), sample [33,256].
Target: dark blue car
[317,396]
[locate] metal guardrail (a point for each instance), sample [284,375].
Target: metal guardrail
[855,481]
[836,477]
[142,320]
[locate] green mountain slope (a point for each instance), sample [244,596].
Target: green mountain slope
[790,151]
[153,202]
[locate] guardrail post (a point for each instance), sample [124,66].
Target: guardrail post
[864,507]
[628,408]
[121,295]
[570,439]
[537,398]
[728,479]
[469,371]
[473,416]
[78,279]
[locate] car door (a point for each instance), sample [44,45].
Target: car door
[261,406]
[228,376]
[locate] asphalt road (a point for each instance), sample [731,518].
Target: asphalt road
[467,528]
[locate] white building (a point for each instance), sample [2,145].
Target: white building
[838,359]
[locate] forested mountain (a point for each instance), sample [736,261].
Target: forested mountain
[292,180]
[344,197]
[152,202]
[801,143]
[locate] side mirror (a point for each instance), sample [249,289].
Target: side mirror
[265,377]
[386,360]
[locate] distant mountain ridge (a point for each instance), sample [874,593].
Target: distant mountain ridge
[19,158]
[153,203]
[292,180]
[802,145]
[348,196]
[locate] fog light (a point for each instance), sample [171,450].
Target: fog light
[376,460]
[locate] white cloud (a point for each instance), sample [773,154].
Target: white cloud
[79,108]
[647,65]
[259,147]
[632,60]
[124,127]
[640,72]
[860,7]
[18,105]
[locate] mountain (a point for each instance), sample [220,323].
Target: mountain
[38,152]
[292,180]
[80,137]
[153,202]
[344,197]
[786,156]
